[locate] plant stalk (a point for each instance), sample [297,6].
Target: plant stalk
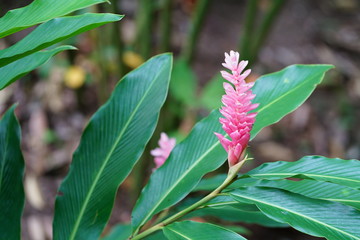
[232,174]
[197,23]
[265,27]
[247,36]
[165,26]
[117,41]
[144,27]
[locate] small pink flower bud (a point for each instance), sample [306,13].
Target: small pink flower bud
[161,153]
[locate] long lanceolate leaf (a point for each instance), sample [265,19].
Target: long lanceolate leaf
[343,172]
[312,216]
[19,68]
[201,152]
[282,92]
[11,176]
[53,32]
[198,154]
[189,230]
[228,209]
[110,146]
[39,11]
[320,190]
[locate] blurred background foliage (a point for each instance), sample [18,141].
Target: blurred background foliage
[56,101]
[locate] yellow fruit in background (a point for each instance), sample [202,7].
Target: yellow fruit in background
[132,59]
[74,77]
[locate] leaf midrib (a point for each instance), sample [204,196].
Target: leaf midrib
[288,92]
[298,214]
[87,199]
[307,174]
[179,233]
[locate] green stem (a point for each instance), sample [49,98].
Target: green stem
[118,43]
[265,27]
[233,171]
[165,26]
[197,23]
[247,36]
[144,26]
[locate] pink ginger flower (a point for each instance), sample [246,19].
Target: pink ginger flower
[238,121]
[161,153]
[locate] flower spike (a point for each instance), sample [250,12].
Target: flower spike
[161,153]
[237,121]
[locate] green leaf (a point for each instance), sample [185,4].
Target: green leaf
[209,184]
[319,190]
[183,83]
[110,146]
[119,232]
[212,92]
[15,70]
[158,235]
[39,11]
[53,32]
[12,196]
[191,159]
[282,92]
[343,172]
[226,208]
[198,231]
[312,216]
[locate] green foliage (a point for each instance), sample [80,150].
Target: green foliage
[282,92]
[335,170]
[25,55]
[183,83]
[52,32]
[110,146]
[119,232]
[212,92]
[12,197]
[315,217]
[21,67]
[196,231]
[39,11]
[201,152]
[319,190]
[227,209]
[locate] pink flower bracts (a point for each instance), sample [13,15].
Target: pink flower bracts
[161,153]
[238,121]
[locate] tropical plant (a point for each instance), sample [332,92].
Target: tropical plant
[323,202]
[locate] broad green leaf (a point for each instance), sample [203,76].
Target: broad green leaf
[53,32]
[212,92]
[226,208]
[183,83]
[195,156]
[158,235]
[312,216]
[39,11]
[119,232]
[209,184]
[15,70]
[282,92]
[189,230]
[343,172]
[320,190]
[12,197]
[110,146]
